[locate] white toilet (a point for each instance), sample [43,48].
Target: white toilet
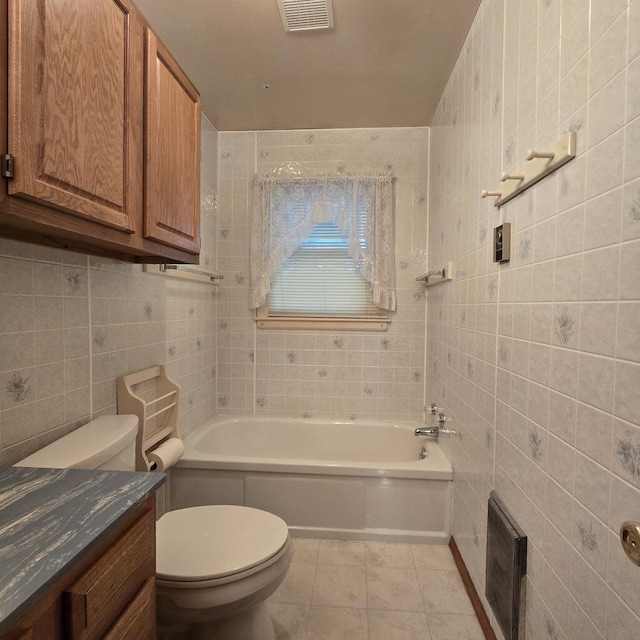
[215,565]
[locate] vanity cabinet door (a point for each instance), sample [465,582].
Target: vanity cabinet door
[138,620]
[99,596]
[75,114]
[172,151]
[109,594]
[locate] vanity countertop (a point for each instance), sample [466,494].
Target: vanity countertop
[50,518]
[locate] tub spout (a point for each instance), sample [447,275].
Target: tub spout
[431,432]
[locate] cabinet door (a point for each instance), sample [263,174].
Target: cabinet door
[172,152]
[74,115]
[100,594]
[138,620]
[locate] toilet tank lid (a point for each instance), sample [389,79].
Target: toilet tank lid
[88,446]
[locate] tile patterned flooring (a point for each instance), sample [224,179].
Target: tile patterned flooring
[347,590]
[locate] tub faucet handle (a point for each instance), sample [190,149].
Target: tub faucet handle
[434,409]
[442,418]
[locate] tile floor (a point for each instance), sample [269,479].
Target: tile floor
[347,590]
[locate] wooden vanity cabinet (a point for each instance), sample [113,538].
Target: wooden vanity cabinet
[105,150]
[109,595]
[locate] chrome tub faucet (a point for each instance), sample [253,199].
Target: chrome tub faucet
[434,432]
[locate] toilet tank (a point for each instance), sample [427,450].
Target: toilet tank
[108,442]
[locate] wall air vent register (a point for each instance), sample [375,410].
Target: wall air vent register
[506,569]
[306,15]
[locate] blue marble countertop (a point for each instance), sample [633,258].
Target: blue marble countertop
[50,518]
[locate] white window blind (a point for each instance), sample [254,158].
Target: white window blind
[322,252]
[320,280]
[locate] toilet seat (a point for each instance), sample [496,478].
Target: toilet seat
[216,543]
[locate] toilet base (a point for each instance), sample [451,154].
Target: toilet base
[228,608]
[252,624]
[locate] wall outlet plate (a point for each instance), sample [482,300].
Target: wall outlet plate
[502,243]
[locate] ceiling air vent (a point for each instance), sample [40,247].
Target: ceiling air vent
[306,15]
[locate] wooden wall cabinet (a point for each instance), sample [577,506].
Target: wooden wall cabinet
[103,126]
[172,151]
[109,595]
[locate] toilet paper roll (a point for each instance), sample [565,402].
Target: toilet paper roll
[166,455]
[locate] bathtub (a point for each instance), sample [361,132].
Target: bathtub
[348,480]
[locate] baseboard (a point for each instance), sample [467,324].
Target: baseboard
[481,614]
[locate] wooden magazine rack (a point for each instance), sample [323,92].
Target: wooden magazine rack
[157,417]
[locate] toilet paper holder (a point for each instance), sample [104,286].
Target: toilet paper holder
[154,398]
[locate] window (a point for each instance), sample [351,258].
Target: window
[322,253]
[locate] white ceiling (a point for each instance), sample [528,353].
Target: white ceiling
[385,64]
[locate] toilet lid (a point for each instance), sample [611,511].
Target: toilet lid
[204,543]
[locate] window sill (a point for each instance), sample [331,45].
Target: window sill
[324,324]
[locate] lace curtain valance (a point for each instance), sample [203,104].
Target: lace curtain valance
[286,210]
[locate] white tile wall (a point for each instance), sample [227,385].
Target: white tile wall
[322,374]
[536,361]
[549,413]
[70,324]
